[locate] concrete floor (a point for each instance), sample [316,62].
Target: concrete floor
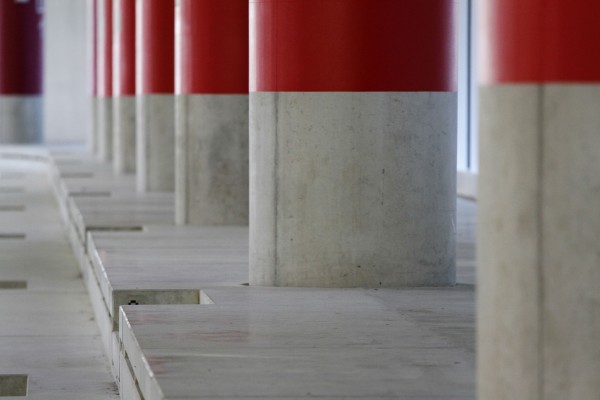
[47,331]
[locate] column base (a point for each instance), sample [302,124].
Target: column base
[212,160]
[20,119]
[352,189]
[105,128]
[155,167]
[124,141]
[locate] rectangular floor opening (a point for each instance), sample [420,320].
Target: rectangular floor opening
[12,236]
[90,194]
[13,285]
[72,175]
[13,385]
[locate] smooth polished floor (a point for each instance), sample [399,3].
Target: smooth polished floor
[47,328]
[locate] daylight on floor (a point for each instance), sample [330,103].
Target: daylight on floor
[300,199]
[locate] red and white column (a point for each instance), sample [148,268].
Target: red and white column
[539,200]
[20,72]
[352,143]
[212,112]
[155,35]
[93,70]
[124,102]
[104,101]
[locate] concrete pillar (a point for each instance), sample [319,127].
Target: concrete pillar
[104,102]
[212,112]
[155,35]
[539,201]
[92,14]
[352,143]
[20,72]
[124,102]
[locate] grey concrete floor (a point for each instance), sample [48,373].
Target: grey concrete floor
[47,330]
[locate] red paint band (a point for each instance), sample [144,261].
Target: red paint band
[157,51]
[125,86]
[213,47]
[352,45]
[20,48]
[541,41]
[105,84]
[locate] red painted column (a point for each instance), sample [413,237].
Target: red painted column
[124,144]
[212,108]
[20,71]
[538,199]
[352,141]
[105,79]
[155,35]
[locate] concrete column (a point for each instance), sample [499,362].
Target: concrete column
[104,102]
[124,102]
[539,201]
[20,72]
[155,35]
[93,49]
[212,112]
[352,143]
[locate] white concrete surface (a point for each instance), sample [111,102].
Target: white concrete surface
[352,189]
[124,141]
[67,72]
[155,138]
[20,119]
[538,253]
[47,331]
[304,343]
[212,159]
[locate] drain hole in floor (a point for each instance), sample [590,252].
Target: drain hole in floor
[12,236]
[71,175]
[13,285]
[11,208]
[13,385]
[90,194]
[114,228]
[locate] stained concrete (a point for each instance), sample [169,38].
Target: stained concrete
[155,138]
[48,330]
[212,160]
[352,189]
[124,141]
[538,253]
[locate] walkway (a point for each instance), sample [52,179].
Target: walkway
[47,328]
